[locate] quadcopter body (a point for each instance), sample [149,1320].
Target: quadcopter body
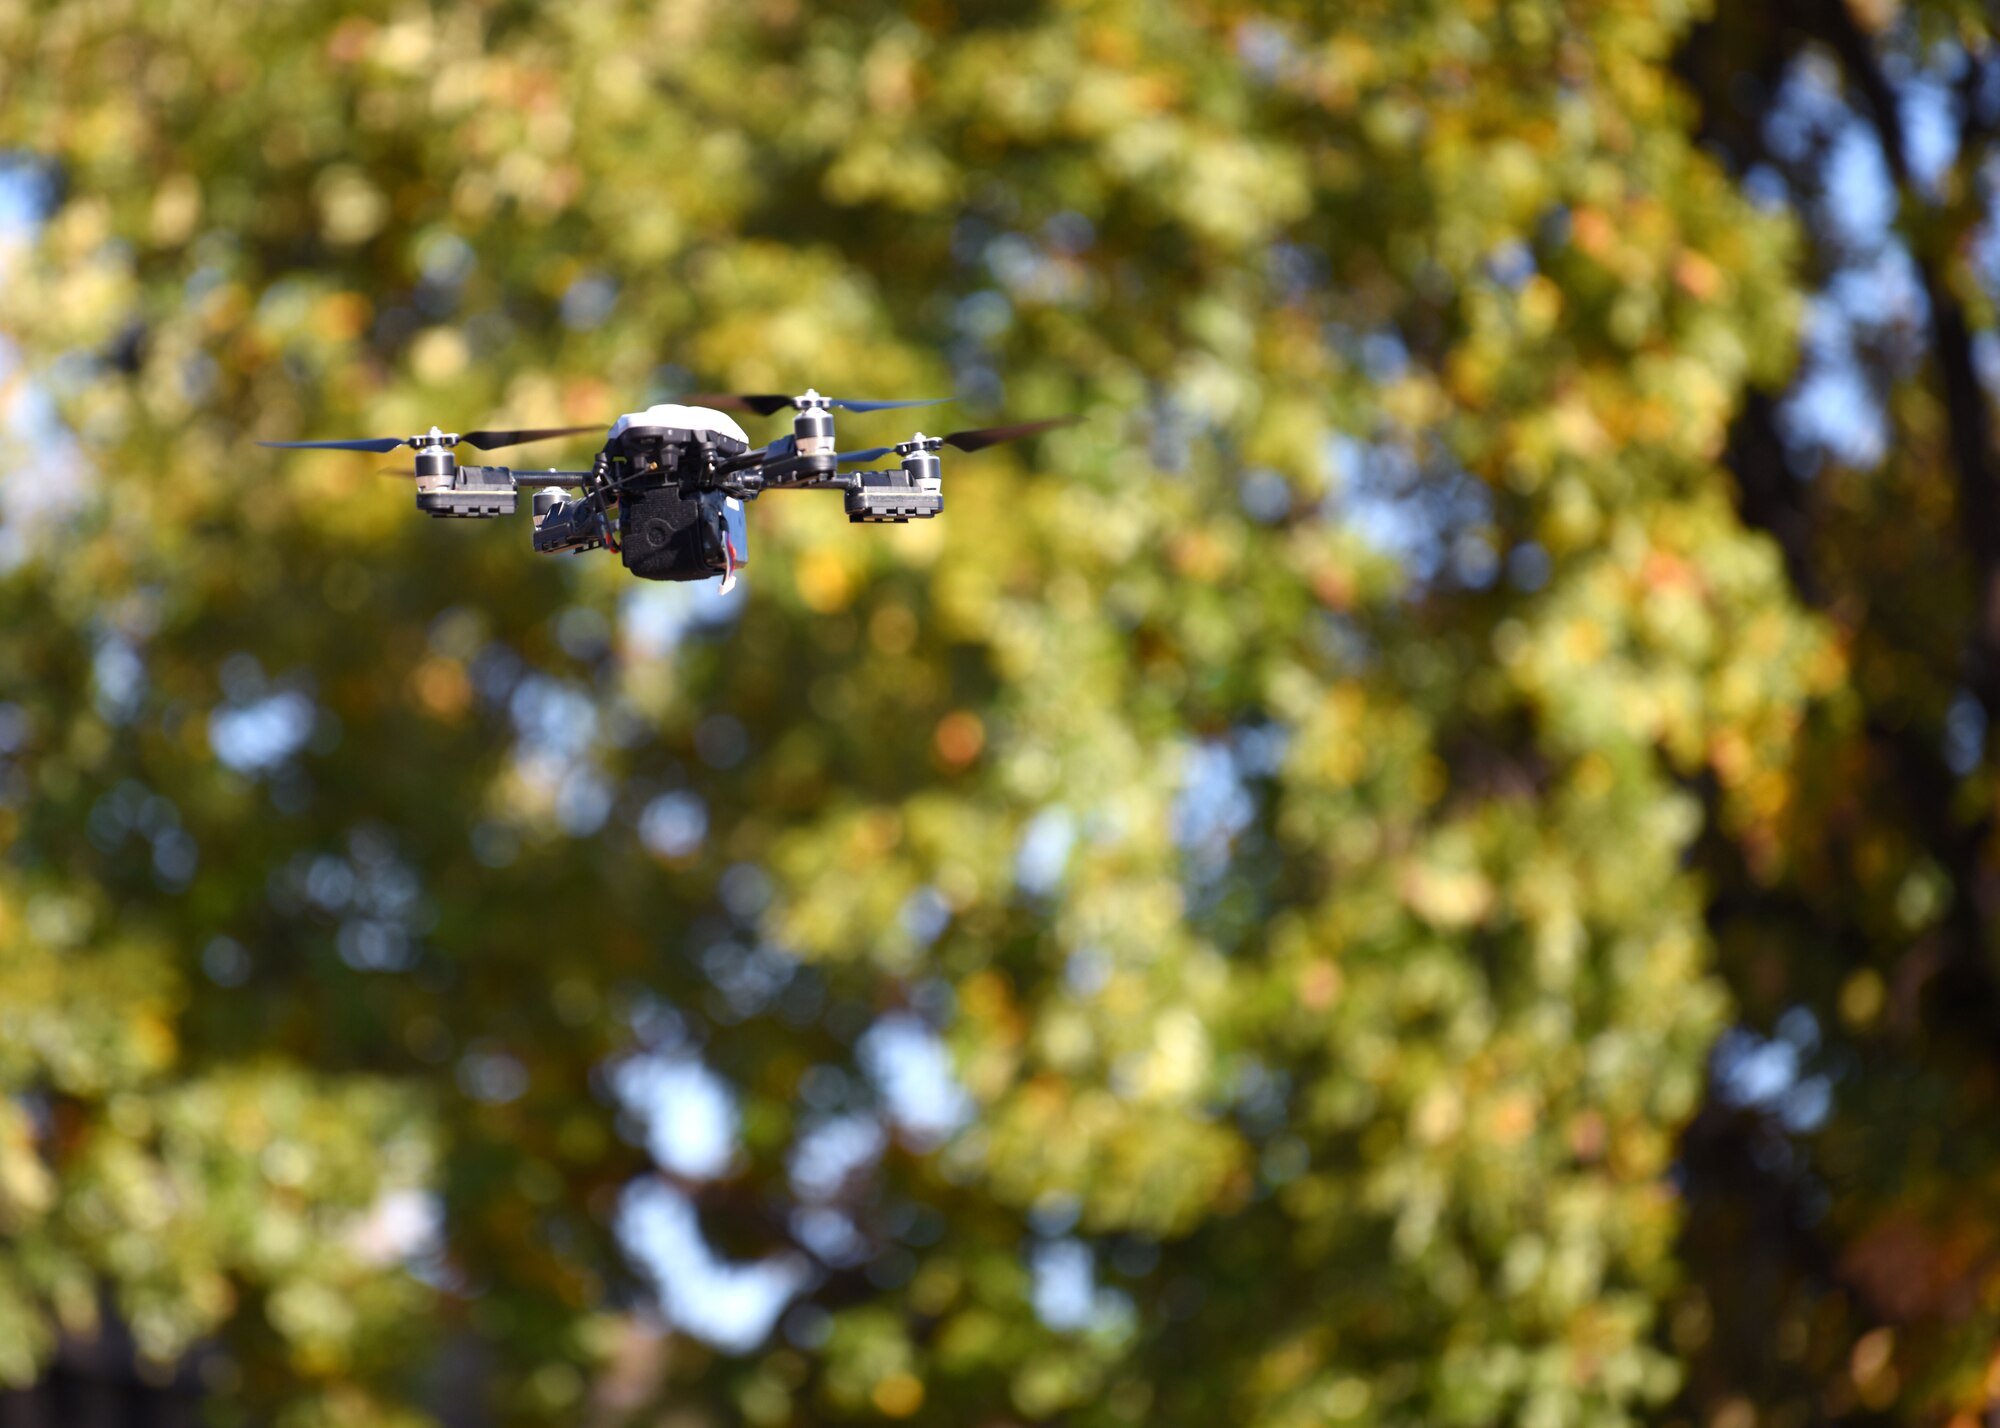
[666,491]
[673,519]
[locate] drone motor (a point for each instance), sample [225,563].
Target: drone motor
[812,429]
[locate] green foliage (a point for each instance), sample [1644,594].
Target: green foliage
[1359,1067]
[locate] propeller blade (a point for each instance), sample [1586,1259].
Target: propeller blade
[378,445]
[994,435]
[769,403]
[494,440]
[763,405]
[846,404]
[976,440]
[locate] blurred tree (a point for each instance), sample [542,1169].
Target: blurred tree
[1839,1235]
[1295,796]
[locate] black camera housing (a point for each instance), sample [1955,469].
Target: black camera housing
[663,535]
[668,527]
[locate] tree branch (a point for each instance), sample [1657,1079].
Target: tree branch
[1970,423]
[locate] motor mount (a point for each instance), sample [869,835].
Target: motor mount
[444,488]
[915,493]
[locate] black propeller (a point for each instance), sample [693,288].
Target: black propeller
[767,403]
[483,440]
[494,440]
[976,440]
[376,444]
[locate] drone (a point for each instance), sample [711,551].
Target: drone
[666,492]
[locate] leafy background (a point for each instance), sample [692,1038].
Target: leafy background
[1431,862]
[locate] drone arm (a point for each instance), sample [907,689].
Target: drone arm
[782,449]
[795,470]
[778,465]
[551,478]
[744,486]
